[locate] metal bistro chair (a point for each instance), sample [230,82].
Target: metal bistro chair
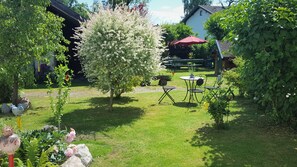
[213,89]
[166,89]
[198,89]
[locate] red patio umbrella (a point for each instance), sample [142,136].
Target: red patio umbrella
[190,40]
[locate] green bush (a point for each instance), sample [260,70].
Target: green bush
[217,105]
[38,143]
[265,34]
[233,76]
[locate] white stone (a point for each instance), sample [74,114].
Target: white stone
[24,105]
[73,161]
[17,110]
[84,154]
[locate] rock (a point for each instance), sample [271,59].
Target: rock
[24,105]
[5,108]
[81,158]
[84,154]
[73,161]
[24,102]
[49,128]
[17,110]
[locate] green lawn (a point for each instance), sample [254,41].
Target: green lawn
[141,132]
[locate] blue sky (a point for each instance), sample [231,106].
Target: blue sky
[162,11]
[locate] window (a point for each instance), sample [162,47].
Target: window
[201,12]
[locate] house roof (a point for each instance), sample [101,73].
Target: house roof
[207,8]
[224,49]
[62,10]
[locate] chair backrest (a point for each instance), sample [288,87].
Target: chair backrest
[162,82]
[199,82]
[216,82]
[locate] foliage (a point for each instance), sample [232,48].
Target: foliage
[28,32]
[190,5]
[215,25]
[114,3]
[37,147]
[81,8]
[217,104]
[176,32]
[63,82]
[228,2]
[5,86]
[265,34]
[234,77]
[117,45]
[203,51]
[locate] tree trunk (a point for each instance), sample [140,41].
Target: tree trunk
[15,93]
[111,99]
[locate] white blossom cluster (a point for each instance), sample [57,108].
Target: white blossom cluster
[116,45]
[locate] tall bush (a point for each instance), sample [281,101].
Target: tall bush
[116,46]
[265,34]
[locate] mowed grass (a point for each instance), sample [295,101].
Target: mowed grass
[141,132]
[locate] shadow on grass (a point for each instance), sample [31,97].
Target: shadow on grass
[104,101]
[74,83]
[246,142]
[185,104]
[98,118]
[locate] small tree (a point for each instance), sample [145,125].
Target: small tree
[62,79]
[116,46]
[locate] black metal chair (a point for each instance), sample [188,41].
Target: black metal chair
[213,89]
[166,89]
[198,89]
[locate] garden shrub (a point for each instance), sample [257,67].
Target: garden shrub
[265,34]
[217,105]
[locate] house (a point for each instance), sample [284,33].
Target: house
[198,16]
[71,21]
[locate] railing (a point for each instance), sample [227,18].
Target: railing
[177,63]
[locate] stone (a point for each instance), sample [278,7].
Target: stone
[24,102]
[73,161]
[84,154]
[5,108]
[17,110]
[24,105]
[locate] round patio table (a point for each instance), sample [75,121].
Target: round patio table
[190,84]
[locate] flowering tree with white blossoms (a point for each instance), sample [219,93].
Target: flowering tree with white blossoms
[116,46]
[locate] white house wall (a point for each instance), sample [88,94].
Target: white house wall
[197,22]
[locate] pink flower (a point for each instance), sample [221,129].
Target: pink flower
[70,136]
[68,152]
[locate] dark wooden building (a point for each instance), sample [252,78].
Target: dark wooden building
[71,21]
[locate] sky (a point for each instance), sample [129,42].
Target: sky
[162,11]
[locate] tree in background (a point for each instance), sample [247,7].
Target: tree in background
[28,33]
[264,33]
[190,5]
[216,26]
[174,32]
[80,8]
[228,2]
[116,46]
